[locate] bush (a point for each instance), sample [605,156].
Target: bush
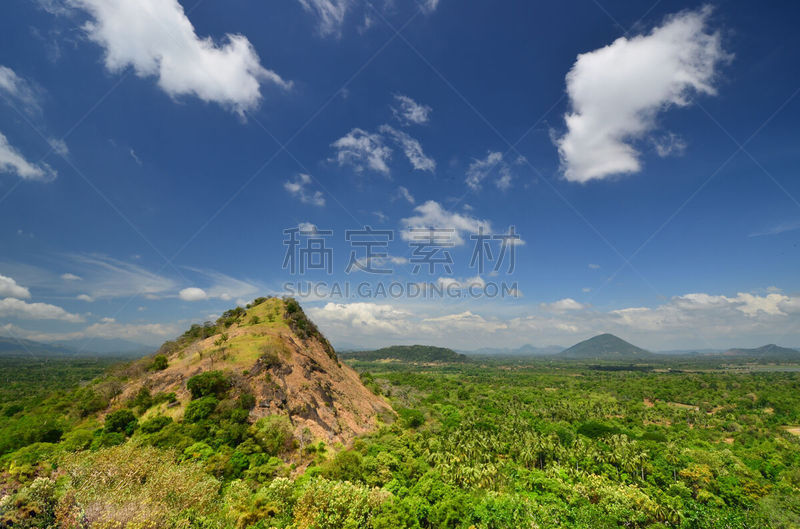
[137,486]
[160,363]
[156,424]
[121,421]
[214,383]
[200,409]
[411,418]
[143,400]
[273,433]
[596,429]
[335,505]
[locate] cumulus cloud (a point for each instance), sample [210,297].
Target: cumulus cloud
[363,151]
[193,294]
[13,162]
[409,112]
[70,277]
[411,148]
[480,169]
[85,297]
[562,305]
[10,289]
[16,308]
[432,215]
[297,187]
[368,318]
[616,93]
[156,38]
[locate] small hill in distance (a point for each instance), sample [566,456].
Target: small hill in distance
[605,347]
[770,351]
[407,353]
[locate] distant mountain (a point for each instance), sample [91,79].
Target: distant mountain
[109,346]
[17,347]
[605,347]
[407,353]
[525,350]
[84,347]
[770,351]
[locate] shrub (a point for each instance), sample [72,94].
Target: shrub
[121,421]
[143,400]
[273,433]
[156,424]
[137,486]
[200,409]
[214,383]
[595,429]
[160,363]
[327,504]
[411,418]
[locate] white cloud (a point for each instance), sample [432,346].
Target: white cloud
[10,289]
[152,333]
[669,144]
[562,305]
[690,320]
[409,112]
[193,294]
[156,38]
[307,227]
[593,266]
[297,188]
[16,308]
[432,215]
[429,6]
[368,318]
[616,93]
[777,229]
[363,150]
[405,194]
[330,14]
[70,277]
[411,148]
[20,90]
[12,161]
[104,277]
[480,169]
[85,297]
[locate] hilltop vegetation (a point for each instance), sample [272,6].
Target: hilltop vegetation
[408,353]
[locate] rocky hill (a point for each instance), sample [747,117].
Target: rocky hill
[271,355]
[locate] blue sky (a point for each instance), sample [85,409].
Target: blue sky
[153,153]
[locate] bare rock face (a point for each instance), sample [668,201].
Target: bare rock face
[273,352]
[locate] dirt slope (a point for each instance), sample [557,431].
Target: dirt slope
[273,352]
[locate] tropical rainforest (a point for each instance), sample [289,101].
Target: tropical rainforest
[472,443]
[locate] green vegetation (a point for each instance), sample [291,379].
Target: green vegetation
[303,327]
[407,353]
[490,445]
